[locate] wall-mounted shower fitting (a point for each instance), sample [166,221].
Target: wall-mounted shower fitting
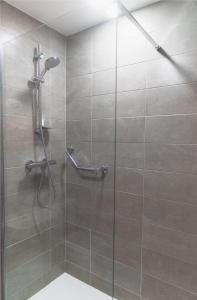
[36,84]
[38,164]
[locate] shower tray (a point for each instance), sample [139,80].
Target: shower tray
[69,288]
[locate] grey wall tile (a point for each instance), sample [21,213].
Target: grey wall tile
[103,130]
[129,181]
[176,158]
[170,270]
[123,294]
[102,222]
[170,242]
[131,104]
[79,53]
[127,252]
[104,57]
[78,131]
[77,235]
[100,284]
[78,255]
[17,102]
[20,204]
[128,229]
[170,214]
[133,48]
[127,278]
[130,155]
[17,180]
[26,273]
[175,99]
[104,82]
[24,251]
[132,77]
[24,227]
[79,86]
[171,129]
[103,106]
[102,244]
[155,289]
[128,205]
[103,153]
[78,109]
[102,267]
[177,187]
[130,130]
[179,69]
[179,38]
[76,271]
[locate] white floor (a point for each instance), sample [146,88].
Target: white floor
[67,287]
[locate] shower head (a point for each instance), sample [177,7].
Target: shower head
[52,62]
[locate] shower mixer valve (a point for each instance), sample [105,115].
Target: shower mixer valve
[38,164]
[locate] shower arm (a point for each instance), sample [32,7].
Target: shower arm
[103,170]
[129,15]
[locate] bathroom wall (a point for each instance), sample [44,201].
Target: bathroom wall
[156,154]
[34,236]
[89,200]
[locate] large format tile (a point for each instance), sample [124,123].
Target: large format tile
[170,270]
[132,77]
[130,155]
[77,235]
[104,82]
[104,57]
[170,242]
[129,181]
[154,289]
[170,186]
[24,251]
[78,256]
[179,69]
[130,130]
[174,99]
[131,104]
[103,130]
[28,272]
[172,129]
[172,215]
[79,54]
[103,106]
[176,158]
[79,86]
[127,278]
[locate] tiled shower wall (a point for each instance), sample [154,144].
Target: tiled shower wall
[156,155]
[34,235]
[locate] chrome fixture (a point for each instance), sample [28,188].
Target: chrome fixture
[129,15]
[38,164]
[40,123]
[35,83]
[97,171]
[50,63]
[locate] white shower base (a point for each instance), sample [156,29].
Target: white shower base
[67,287]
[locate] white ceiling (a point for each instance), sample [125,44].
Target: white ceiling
[71,16]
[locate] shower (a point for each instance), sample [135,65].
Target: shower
[39,122]
[98,150]
[50,63]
